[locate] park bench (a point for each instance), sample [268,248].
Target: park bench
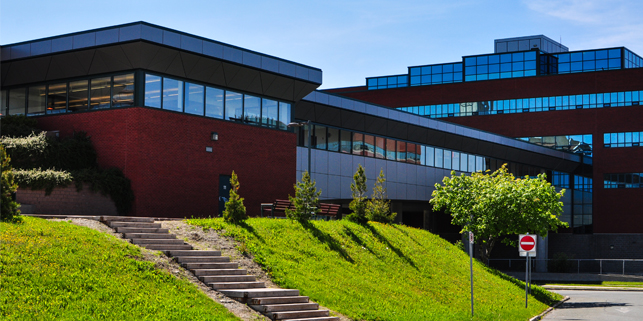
[278,209]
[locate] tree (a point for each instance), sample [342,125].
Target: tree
[496,205]
[10,211]
[360,201]
[235,211]
[378,208]
[306,200]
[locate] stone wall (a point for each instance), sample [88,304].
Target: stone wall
[65,200]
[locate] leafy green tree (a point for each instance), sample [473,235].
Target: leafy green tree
[235,211]
[10,211]
[306,200]
[378,208]
[360,202]
[496,205]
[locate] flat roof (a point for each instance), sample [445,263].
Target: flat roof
[161,35]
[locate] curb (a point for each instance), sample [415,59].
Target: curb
[540,316]
[591,288]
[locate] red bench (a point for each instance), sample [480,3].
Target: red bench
[278,209]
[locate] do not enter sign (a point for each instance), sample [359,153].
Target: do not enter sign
[527,243]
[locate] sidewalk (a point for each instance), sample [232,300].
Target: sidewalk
[575,277]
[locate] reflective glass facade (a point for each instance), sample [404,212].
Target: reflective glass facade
[496,66]
[197,99]
[384,82]
[622,139]
[579,144]
[623,180]
[526,105]
[435,74]
[71,96]
[590,60]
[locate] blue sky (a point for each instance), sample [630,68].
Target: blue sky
[348,40]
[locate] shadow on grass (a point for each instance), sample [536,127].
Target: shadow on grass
[251,230]
[537,292]
[328,240]
[407,234]
[397,251]
[357,239]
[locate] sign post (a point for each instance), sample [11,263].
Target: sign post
[527,247]
[471,266]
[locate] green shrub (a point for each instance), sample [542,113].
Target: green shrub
[306,200]
[18,126]
[42,179]
[378,208]
[235,211]
[359,203]
[10,211]
[109,182]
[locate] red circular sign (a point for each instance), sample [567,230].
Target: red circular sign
[527,243]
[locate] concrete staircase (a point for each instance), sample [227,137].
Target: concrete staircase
[219,273]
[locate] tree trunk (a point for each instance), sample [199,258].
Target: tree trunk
[485,250]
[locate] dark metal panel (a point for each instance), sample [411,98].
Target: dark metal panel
[254,86]
[106,36]
[84,40]
[304,89]
[280,87]
[98,65]
[327,115]
[4,71]
[469,145]
[288,92]
[162,60]
[21,51]
[306,111]
[204,69]
[241,79]
[230,72]
[191,44]
[266,80]
[135,52]
[65,66]
[416,133]
[85,58]
[176,67]
[26,71]
[453,141]
[152,34]
[189,61]
[61,44]
[352,120]
[397,129]
[374,125]
[114,57]
[41,47]
[217,77]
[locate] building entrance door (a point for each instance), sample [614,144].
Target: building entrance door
[224,192]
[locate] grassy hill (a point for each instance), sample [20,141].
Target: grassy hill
[381,272]
[60,271]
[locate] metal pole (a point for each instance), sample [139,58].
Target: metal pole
[471,269]
[623,267]
[530,267]
[601,264]
[526,278]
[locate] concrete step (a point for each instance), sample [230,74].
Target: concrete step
[206,272]
[148,236]
[134,224]
[227,278]
[259,293]
[278,300]
[202,259]
[283,315]
[141,230]
[236,285]
[166,247]
[157,241]
[317,319]
[210,266]
[127,219]
[194,253]
[286,307]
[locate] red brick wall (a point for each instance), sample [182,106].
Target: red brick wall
[66,200]
[164,155]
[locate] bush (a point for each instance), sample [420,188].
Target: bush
[235,211]
[378,208]
[109,182]
[42,179]
[306,200]
[18,126]
[359,203]
[10,211]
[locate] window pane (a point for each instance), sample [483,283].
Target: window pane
[369,145]
[214,102]
[17,98]
[401,151]
[78,95]
[333,139]
[252,109]
[172,94]
[447,159]
[36,104]
[284,115]
[455,156]
[439,158]
[390,149]
[345,141]
[123,91]
[358,141]
[152,91]
[100,92]
[3,101]
[233,105]
[410,153]
[57,98]
[194,99]
[380,148]
[319,137]
[269,112]
[430,156]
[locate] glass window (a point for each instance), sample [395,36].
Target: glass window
[447,159]
[269,112]
[3,101]
[194,99]
[369,146]
[358,142]
[152,91]
[319,137]
[57,98]
[380,148]
[214,102]
[345,146]
[390,149]
[411,153]
[36,103]
[233,105]
[17,98]
[439,158]
[430,156]
[284,115]
[333,139]
[455,156]
[172,94]
[252,109]
[463,162]
[100,92]
[78,95]
[123,93]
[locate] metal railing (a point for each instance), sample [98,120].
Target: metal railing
[632,266]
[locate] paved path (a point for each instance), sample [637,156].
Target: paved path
[599,305]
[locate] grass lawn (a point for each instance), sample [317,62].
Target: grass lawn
[57,270]
[381,272]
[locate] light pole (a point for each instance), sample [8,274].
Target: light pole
[310,143]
